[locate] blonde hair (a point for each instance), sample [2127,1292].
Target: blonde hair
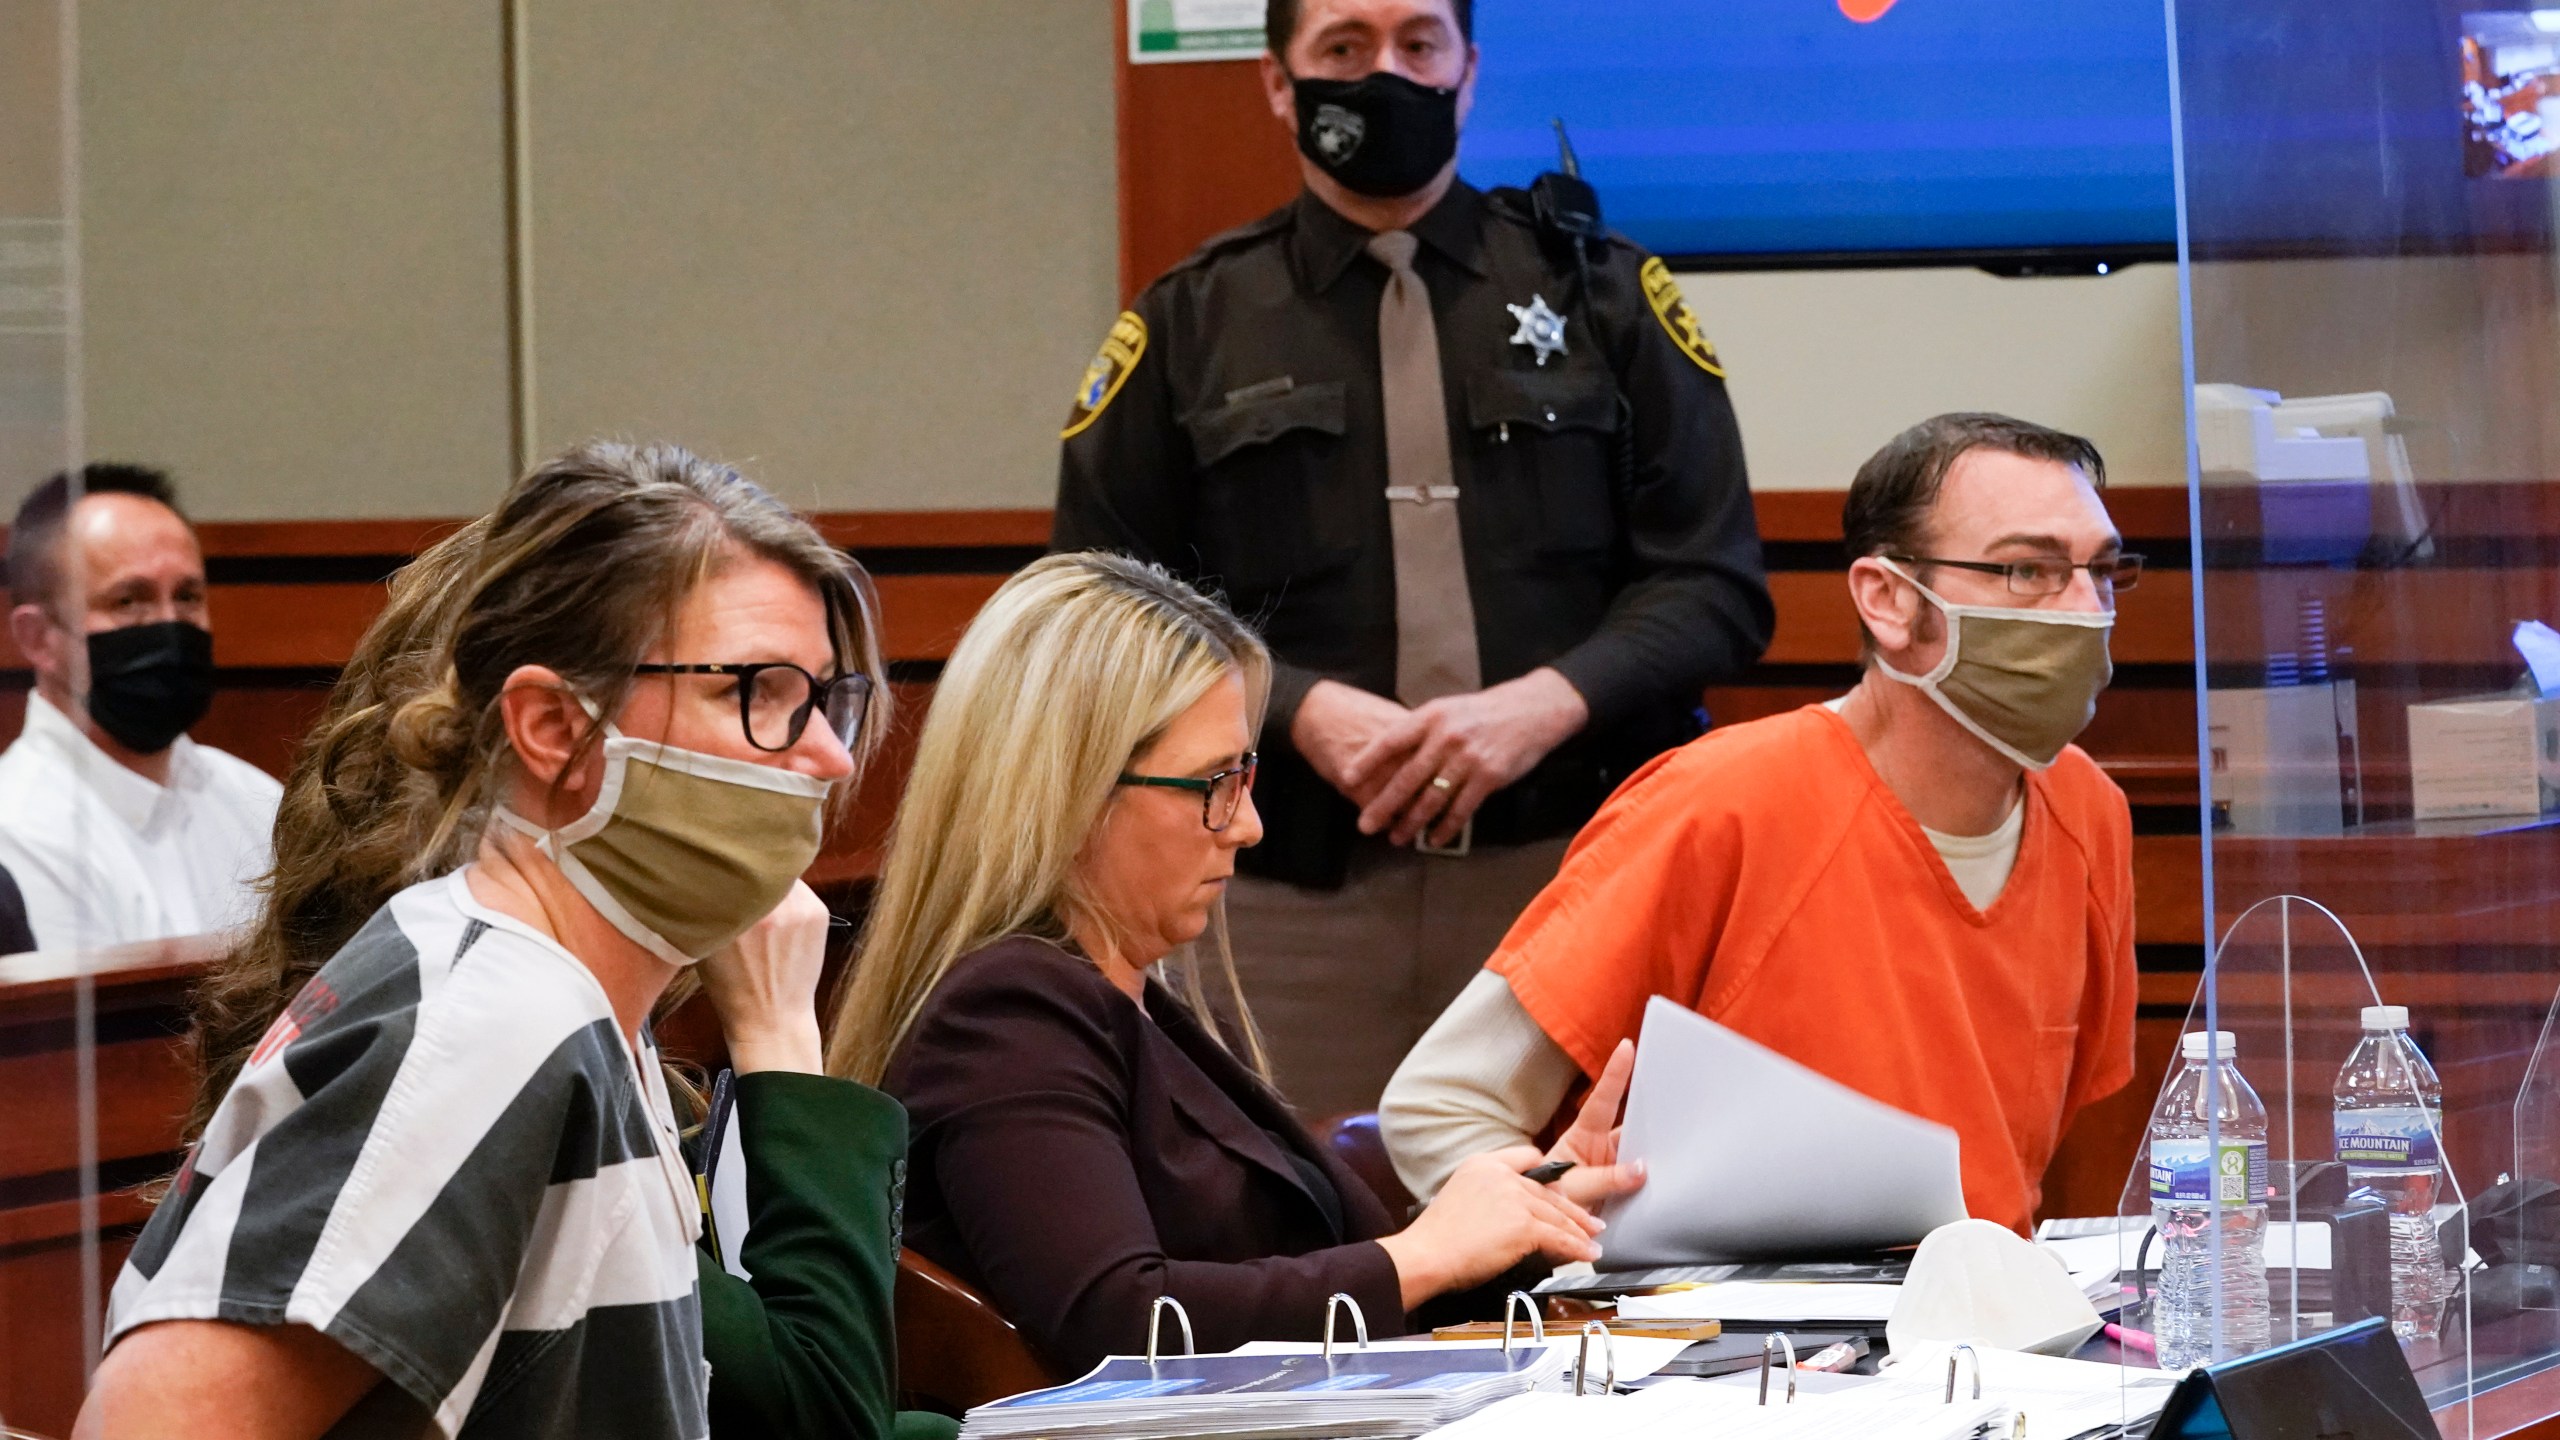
[1076,665]
[580,568]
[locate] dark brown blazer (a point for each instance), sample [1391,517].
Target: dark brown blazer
[1074,1158]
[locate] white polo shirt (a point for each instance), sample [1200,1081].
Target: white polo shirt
[106,857]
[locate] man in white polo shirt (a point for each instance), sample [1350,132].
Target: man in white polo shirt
[115,825]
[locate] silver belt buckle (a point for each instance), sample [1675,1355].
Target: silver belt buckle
[1456,851]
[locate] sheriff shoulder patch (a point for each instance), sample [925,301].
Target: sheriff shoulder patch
[1678,320]
[1108,372]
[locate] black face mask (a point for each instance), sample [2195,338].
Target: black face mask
[1381,134]
[148,683]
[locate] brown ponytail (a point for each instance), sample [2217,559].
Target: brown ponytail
[579,569]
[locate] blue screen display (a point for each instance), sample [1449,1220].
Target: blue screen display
[1783,127]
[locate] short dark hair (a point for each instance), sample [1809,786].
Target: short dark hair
[1888,507]
[35,536]
[1280,23]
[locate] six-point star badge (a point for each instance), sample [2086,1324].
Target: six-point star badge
[1541,329]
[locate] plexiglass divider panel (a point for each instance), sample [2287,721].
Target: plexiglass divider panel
[52,1264]
[2373,327]
[2293,1180]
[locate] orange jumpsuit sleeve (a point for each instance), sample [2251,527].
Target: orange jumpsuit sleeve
[1637,909]
[2104,1061]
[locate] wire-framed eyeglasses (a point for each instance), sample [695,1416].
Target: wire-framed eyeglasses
[2044,575]
[1221,794]
[776,699]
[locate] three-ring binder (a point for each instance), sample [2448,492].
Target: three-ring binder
[1359,1323]
[1582,1358]
[1519,1300]
[1967,1352]
[1769,1345]
[1155,1327]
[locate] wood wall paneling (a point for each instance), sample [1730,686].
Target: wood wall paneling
[1199,153]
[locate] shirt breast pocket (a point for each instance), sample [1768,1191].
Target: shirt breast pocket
[1543,452]
[2034,1120]
[1270,466]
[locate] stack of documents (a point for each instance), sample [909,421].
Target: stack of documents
[2059,1398]
[2031,1396]
[1690,1410]
[1761,1302]
[1748,1153]
[1582,1282]
[1386,1394]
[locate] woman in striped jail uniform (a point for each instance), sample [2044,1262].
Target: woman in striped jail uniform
[438,1188]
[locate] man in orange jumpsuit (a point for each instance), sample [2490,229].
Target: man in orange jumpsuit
[1922,889]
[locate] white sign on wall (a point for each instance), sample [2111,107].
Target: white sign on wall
[1161,30]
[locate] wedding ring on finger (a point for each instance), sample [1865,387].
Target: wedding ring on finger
[1443,784]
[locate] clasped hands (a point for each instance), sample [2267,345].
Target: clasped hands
[1427,769]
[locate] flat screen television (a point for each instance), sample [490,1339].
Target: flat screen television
[2032,135]
[1785,132]
[2413,128]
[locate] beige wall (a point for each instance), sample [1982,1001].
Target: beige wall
[294,255]
[1826,365]
[868,248]
[863,250]
[2465,346]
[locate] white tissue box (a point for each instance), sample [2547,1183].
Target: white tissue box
[2488,755]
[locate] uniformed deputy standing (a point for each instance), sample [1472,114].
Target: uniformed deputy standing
[1494,525]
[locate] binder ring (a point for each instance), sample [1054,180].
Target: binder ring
[1967,1352]
[1155,1326]
[1359,1322]
[1770,1344]
[1519,1300]
[1582,1358]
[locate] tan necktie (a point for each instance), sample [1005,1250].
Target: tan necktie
[1435,615]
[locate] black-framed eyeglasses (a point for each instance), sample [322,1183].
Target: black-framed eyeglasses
[776,699]
[1221,795]
[2044,575]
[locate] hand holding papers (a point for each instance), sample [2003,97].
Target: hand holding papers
[1749,1153]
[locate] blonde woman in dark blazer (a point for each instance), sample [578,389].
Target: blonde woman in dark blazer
[1085,1137]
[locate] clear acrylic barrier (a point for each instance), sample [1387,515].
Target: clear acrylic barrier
[2372,322]
[51,1257]
[2287,988]
[2525,1252]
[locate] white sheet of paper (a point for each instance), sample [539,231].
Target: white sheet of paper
[2060,1398]
[1638,1355]
[1765,1302]
[1688,1409]
[1748,1153]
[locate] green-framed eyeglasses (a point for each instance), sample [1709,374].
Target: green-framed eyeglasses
[1221,794]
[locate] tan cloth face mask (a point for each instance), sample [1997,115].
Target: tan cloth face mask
[683,851]
[2024,682]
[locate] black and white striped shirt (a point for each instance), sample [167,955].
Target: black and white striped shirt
[444,1157]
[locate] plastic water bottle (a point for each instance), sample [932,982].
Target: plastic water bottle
[2390,1109]
[2196,1191]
